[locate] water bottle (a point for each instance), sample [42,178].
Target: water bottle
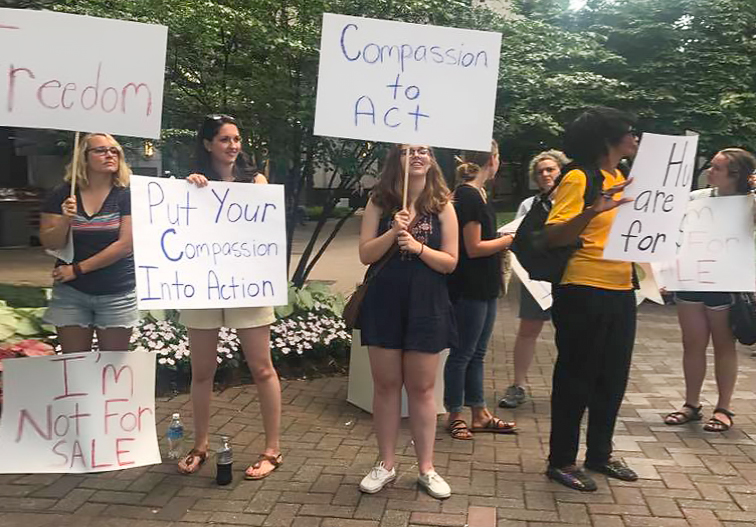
[175,437]
[225,459]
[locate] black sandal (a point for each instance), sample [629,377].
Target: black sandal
[458,430]
[717,425]
[682,417]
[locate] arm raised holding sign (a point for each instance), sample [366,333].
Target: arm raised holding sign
[219,157]
[406,316]
[102,272]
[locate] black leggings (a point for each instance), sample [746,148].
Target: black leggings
[595,333]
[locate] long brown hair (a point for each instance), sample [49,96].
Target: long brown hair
[387,193]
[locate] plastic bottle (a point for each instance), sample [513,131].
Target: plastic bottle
[225,460]
[175,437]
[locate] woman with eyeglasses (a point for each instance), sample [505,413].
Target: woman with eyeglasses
[219,157]
[96,292]
[705,315]
[594,310]
[406,317]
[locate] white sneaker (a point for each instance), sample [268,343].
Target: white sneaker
[434,485]
[377,478]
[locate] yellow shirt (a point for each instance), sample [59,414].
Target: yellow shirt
[587,267]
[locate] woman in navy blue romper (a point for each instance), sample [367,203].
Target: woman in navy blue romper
[406,317]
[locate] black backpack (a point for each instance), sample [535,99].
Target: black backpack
[542,262]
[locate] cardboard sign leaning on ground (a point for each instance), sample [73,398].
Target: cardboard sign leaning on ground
[223,245]
[80,412]
[396,82]
[73,72]
[646,229]
[716,248]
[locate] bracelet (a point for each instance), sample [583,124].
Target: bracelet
[77,269]
[422,248]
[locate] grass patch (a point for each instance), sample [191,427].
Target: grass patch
[23,295]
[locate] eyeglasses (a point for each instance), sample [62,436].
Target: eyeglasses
[219,117]
[635,133]
[415,151]
[102,150]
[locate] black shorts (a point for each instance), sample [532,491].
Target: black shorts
[711,299]
[529,308]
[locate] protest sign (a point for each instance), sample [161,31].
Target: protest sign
[80,412]
[396,82]
[73,72]
[716,248]
[646,229]
[223,245]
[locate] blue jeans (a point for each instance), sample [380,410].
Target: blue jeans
[463,373]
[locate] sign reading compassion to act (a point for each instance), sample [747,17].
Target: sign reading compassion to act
[80,412]
[395,82]
[72,72]
[223,245]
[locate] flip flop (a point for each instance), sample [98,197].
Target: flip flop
[496,426]
[188,460]
[276,461]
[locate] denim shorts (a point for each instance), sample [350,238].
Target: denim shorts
[71,307]
[233,317]
[716,301]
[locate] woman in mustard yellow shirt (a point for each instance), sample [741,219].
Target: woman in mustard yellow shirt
[594,304]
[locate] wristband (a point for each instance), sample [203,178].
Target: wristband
[77,269]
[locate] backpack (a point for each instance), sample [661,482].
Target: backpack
[542,262]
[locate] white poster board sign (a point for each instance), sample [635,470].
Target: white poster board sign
[81,412]
[396,82]
[716,248]
[540,291]
[646,229]
[73,72]
[220,246]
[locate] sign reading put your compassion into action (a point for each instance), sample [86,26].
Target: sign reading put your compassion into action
[220,246]
[80,412]
[646,229]
[396,82]
[72,72]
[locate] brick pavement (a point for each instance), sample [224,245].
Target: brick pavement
[689,477]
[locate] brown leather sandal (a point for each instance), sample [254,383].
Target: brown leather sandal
[275,461]
[458,430]
[715,424]
[188,461]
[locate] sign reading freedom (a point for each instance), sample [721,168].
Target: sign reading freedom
[220,246]
[79,412]
[73,72]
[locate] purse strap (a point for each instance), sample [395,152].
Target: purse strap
[376,268]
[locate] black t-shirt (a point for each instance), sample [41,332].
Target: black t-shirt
[93,234]
[475,278]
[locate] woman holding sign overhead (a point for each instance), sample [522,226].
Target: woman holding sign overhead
[96,290]
[219,157]
[705,316]
[406,317]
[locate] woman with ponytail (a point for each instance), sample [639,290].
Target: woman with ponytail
[474,288]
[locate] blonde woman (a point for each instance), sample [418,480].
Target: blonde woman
[544,170]
[96,292]
[406,317]
[474,287]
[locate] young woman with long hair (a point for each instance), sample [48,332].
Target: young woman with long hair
[406,317]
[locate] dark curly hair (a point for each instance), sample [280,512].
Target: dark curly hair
[587,138]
